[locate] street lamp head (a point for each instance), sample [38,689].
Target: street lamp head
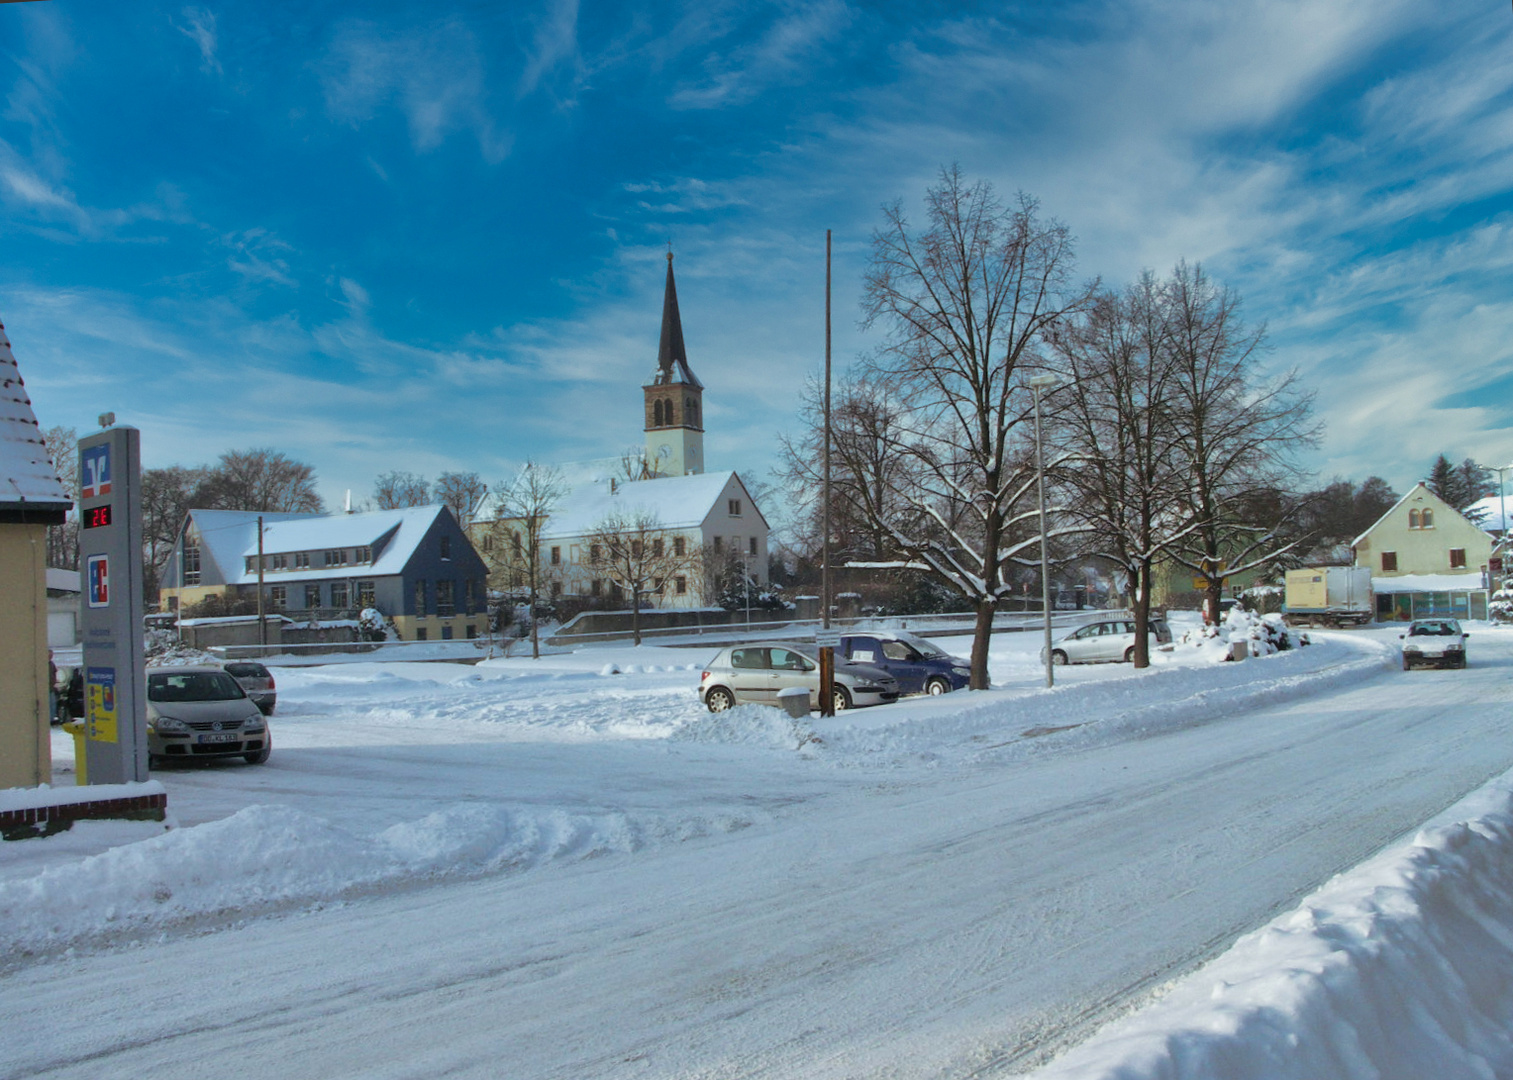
[1042,382]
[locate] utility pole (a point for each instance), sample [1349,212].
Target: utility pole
[262,622]
[827,645]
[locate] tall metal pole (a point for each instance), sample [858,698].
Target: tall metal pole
[825,554]
[262,623]
[1038,383]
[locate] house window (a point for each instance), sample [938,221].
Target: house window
[444,598]
[278,597]
[468,592]
[680,585]
[635,549]
[420,633]
[472,631]
[249,563]
[281,562]
[338,594]
[446,632]
[593,554]
[515,544]
[1457,558]
[301,560]
[420,596]
[595,587]
[364,554]
[312,596]
[659,585]
[488,543]
[191,566]
[446,547]
[1427,519]
[719,543]
[556,589]
[556,556]
[735,507]
[336,557]
[656,548]
[679,546]
[753,546]
[366,594]
[1389,562]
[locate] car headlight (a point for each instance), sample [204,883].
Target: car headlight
[968,671]
[167,725]
[253,722]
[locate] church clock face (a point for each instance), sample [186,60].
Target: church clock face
[664,452]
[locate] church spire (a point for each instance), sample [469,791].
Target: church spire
[671,350]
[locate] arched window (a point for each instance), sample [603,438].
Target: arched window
[1427,519]
[1413,519]
[667,412]
[656,411]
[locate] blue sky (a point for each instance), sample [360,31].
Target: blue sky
[430,236]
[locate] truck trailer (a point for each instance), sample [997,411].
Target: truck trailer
[1329,596]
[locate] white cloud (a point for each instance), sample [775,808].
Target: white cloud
[778,55]
[200,29]
[554,45]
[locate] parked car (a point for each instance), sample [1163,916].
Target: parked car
[195,712]
[755,673]
[257,681]
[919,666]
[1105,640]
[1440,642]
[70,695]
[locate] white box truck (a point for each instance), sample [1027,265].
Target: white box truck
[1329,596]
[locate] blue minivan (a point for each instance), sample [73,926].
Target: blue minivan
[919,666]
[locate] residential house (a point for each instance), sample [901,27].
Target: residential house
[32,497]
[1426,559]
[415,565]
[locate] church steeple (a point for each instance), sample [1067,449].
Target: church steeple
[674,398]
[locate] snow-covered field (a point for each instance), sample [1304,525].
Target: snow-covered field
[572,853]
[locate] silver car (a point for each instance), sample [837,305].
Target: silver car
[1440,642]
[757,673]
[199,712]
[1106,640]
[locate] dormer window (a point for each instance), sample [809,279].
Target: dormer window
[364,554]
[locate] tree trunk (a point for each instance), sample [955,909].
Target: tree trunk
[635,615]
[1211,597]
[535,641]
[1142,608]
[982,634]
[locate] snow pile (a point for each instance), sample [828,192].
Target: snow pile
[1263,635]
[264,858]
[1397,970]
[162,648]
[749,725]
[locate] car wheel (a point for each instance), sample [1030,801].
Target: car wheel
[1129,655]
[936,687]
[260,756]
[719,699]
[1058,658]
[842,699]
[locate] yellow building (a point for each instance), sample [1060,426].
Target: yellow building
[31,498]
[1425,559]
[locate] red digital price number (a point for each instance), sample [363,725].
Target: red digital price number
[97,517]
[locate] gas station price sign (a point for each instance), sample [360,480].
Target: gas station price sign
[97,517]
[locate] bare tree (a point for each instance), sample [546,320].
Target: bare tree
[462,493]
[523,506]
[964,305]
[63,540]
[1240,433]
[168,494]
[398,490]
[637,555]
[260,479]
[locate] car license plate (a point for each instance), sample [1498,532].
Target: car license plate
[223,736]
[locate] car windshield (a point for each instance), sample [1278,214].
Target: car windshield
[247,671]
[924,647]
[193,686]
[1433,629]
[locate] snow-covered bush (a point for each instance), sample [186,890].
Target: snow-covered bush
[1500,610]
[1262,634]
[375,626]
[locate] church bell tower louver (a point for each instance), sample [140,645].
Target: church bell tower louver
[674,399]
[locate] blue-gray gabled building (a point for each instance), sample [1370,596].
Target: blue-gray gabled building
[415,565]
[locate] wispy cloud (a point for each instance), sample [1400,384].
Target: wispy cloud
[554,46]
[736,72]
[434,74]
[199,27]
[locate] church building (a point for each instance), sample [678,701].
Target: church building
[706,525]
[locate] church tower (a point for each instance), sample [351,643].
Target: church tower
[674,399]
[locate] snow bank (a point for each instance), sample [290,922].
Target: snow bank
[749,725]
[1397,970]
[263,858]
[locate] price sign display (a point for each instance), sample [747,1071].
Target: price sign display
[97,517]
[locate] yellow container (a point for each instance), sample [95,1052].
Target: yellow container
[76,729]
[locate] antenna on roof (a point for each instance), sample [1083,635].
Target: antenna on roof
[348,507]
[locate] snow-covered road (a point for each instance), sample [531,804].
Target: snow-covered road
[956,887]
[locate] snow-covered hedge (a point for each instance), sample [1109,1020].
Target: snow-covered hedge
[1263,635]
[1500,610]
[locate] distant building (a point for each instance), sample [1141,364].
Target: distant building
[31,498]
[1425,559]
[416,566]
[63,593]
[710,518]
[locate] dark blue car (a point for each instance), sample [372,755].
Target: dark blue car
[919,666]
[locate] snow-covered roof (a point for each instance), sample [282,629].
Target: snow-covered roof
[62,580]
[677,502]
[231,535]
[26,472]
[1493,517]
[1427,583]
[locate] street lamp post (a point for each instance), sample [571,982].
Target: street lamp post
[1037,384]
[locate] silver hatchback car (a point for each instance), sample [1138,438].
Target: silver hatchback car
[1107,640]
[744,674]
[195,712]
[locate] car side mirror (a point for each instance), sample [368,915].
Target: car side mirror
[1402,635]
